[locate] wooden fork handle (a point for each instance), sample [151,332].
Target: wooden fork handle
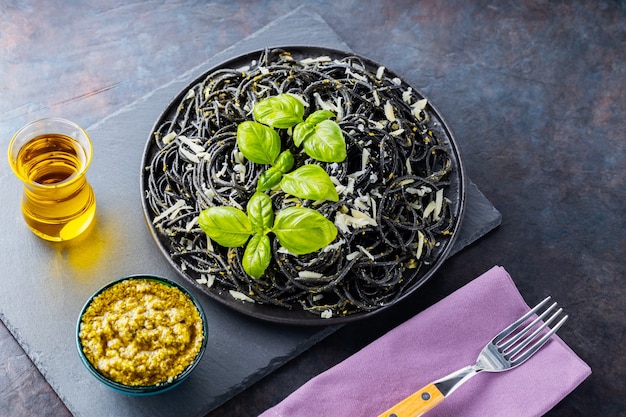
[417,403]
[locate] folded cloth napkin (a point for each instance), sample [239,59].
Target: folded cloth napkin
[439,340]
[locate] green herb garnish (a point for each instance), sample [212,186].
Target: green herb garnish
[258,143]
[309,181]
[282,111]
[300,230]
[322,138]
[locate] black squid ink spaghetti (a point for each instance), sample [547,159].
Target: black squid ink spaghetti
[399,187]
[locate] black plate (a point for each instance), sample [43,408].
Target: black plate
[296,316]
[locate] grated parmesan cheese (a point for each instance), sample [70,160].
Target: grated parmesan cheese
[355,220]
[189,155]
[307,61]
[324,105]
[191,224]
[309,275]
[362,203]
[207,280]
[438,203]
[362,217]
[380,72]
[210,280]
[378,125]
[238,156]
[430,208]
[389,113]
[376,98]
[343,189]
[172,211]
[420,104]
[423,190]
[366,252]
[334,246]
[241,170]
[418,107]
[326,314]
[355,75]
[406,95]
[353,255]
[222,171]
[420,244]
[168,138]
[238,295]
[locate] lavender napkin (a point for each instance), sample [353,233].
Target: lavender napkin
[439,340]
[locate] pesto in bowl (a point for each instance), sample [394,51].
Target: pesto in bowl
[141,334]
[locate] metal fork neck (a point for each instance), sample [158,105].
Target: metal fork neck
[449,383]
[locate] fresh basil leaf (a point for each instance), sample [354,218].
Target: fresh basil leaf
[257,142]
[228,226]
[260,212]
[309,181]
[318,116]
[302,132]
[257,255]
[281,111]
[285,161]
[269,179]
[302,230]
[327,143]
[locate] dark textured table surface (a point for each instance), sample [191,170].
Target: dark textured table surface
[534,91]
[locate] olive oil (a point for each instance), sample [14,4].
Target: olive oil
[58,203]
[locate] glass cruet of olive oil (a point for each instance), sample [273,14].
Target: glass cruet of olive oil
[51,156]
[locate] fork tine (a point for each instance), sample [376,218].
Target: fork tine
[515,349]
[522,333]
[508,330]
[538,344]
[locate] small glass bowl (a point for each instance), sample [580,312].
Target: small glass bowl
[143,390]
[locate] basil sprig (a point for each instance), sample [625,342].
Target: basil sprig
[309,181]
[282,111]
[321,138]
[300,230]
[258,143]
[228,226]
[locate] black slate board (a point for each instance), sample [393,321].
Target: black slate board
[45,285]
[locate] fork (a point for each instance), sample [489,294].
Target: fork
[507,350]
